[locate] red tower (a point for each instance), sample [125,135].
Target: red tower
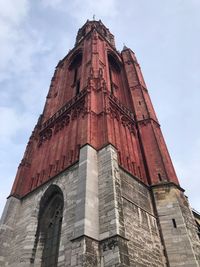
[97,96]
[96,185]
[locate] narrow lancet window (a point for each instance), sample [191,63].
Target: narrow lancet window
[75,69]
[114,73]
[78,87]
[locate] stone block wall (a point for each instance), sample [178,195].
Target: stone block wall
[7,227]
[144,245]
[190,225]
[24,226]
[109,220]
[113,242]
[177,226]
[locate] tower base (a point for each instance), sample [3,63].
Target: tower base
[110,218]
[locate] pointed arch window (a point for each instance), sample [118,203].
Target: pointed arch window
[114,73]
[49,227]
[75,68]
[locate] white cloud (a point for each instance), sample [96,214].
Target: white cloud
[52,3]
[13,122]
[12,14]
[82,11]
[10,123]
[13,11]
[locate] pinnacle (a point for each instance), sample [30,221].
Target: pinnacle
[124,47]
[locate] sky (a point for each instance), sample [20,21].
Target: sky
[165,35]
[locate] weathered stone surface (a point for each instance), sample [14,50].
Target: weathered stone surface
[144,246]
[110,201]
[114,248]
[26,218]
[87,208]
[114,251]
[85,252]
[7,229]
[115,214]
[177,226]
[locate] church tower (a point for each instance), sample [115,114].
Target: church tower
[96,185]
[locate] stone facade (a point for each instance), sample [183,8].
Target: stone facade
[22,229]
[145,246]
[177,225]
[109,220]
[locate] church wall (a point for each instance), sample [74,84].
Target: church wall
[24,225]
[190,225]
[108,220]
[177,225]
[144,245]
[113,242]
[7,225]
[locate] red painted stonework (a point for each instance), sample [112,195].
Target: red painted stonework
[97,96]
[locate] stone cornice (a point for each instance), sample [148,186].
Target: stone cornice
[166,184]
[74,101]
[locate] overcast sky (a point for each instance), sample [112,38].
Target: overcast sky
[165,35]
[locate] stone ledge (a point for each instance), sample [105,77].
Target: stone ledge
[81,237]
[166,184]
[114,236]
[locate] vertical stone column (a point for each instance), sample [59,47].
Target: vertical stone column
[85,247]
[85,253]
[177,225]
[114,250]
[87,203]
[7,226]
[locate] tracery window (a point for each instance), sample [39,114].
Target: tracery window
[49,226]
